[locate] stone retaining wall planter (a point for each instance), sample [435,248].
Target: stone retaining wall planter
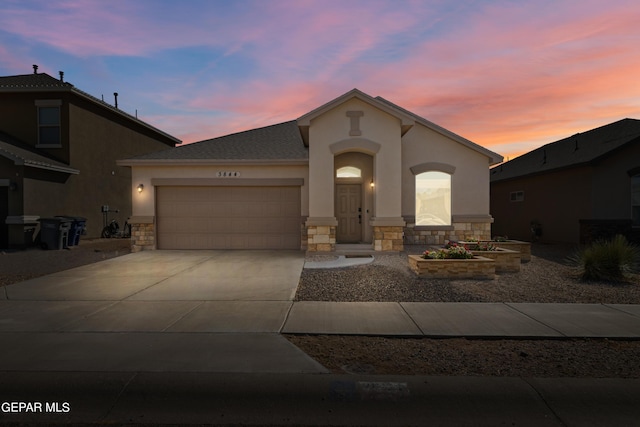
[478,267]
[507,261]
[514,245]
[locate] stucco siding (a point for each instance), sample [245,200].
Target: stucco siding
[469,182]
[144,202]
[556,200]
[333,127]
[612,184]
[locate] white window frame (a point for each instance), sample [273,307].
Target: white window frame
[425,215]
[516,196]
[49,103]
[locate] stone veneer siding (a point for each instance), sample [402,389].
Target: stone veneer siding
[321,238]
[143,236]
[440,235]
[388,238]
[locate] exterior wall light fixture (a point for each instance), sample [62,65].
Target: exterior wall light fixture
[372,184]
[140,188]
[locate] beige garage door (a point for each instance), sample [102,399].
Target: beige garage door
[228,217]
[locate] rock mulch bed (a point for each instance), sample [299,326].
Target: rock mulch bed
[547,278]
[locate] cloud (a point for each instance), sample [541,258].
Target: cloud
[507,75]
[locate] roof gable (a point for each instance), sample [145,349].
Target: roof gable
[406,120]
[493,157]
[579,149]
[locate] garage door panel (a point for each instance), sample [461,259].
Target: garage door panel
[228,217]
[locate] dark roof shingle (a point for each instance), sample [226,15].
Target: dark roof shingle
[276,142]
[578,149]
[22,154]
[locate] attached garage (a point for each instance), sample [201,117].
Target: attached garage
[228,217]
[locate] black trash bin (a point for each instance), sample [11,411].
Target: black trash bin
[54,232]
[77,226]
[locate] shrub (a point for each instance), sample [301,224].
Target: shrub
[607,260]
[454,252]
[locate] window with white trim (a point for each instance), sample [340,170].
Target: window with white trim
[516,196]
[49,123]
[433,198]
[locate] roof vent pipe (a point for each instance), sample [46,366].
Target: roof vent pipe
[61,76]
[35,69]
[115,95]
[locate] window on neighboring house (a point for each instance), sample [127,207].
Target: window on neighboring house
[433,198]
[516,196]
[49,123]
[635,200]
[348,172]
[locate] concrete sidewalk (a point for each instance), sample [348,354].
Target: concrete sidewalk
[477,320]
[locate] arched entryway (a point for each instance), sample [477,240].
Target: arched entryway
[354,192]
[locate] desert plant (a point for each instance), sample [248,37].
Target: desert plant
[607,260]
[453,252]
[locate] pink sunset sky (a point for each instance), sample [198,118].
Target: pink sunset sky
[508,75]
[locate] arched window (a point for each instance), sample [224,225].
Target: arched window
[433,198]
[348,172]
[635,200]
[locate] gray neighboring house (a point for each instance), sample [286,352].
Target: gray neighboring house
[576,190]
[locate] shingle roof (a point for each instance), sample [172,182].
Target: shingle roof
[21,154]
[276,142]
[578,149]
[27,81]
[44,82]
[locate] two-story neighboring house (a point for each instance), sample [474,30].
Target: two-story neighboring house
[576,190]
[58,151]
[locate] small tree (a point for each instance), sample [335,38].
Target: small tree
[607,260]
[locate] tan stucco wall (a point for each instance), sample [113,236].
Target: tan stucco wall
[469,182]
[144,202]
[333,127]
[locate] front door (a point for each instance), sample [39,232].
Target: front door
[349,213]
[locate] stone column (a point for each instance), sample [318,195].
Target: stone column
[388,234]
[321,234]
[143,233]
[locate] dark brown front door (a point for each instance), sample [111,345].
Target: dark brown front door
[348,213]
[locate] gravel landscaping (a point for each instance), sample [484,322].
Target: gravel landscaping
[547,278]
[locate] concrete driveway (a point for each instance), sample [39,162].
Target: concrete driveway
[200,310]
